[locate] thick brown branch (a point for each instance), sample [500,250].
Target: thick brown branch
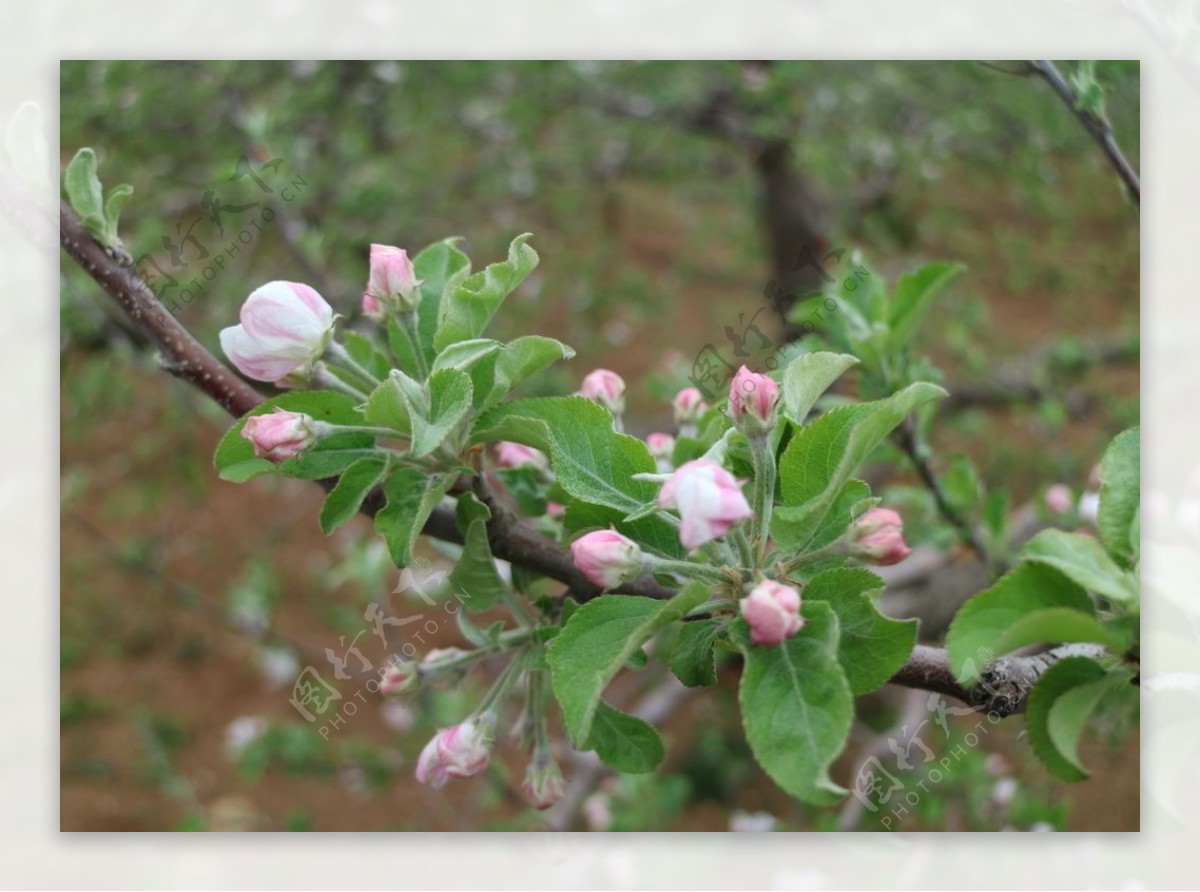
[927,668]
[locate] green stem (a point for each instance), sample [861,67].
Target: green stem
[764,495]
[338,352]
[327,379]
[503,684]
[685,568]
[743,547]
[408,324]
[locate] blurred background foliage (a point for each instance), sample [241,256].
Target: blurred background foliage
[653,191]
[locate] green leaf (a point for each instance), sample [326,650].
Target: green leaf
[1081,558]
[624,742]
[913,296]
[807,377]
[822,455]
[235,460]
[980,625]
[797,706]
[84,191]
[466,310]
[692,657]
[387,406]
[475,574]
[440,267]
[411,497]
[871,646]
[853,500]
[597,642]
[347,496]
[593,462]
[112,208]
[465,354]
[1059,706]
[449,403]
[1058,625]
[517,362]
[1120,494]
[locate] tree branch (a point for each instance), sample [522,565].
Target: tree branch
[1096,126]
[928,668]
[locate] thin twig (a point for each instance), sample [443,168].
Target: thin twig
[1095,125]
[906,438]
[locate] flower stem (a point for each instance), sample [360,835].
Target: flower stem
[326,378]
[408,324]
[764,495]
[338,352]
[685,568]
[503,684]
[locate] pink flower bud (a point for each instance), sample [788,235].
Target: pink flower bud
[458,751]
[752,401]
[442,655]
[708,499]
[372,308]
[606,388]
[1059,498]
[555,509]
[393,281]
[606,557]
[878,537]
[398,678]
[543,785]
[516,455]
[689,405]
[772,610]
[285,327]
[661,445]
[280,435]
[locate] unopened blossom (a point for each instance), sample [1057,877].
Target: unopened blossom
[1059,498]
[543,785]
[285,327]
[393,281]
[688,405]
[708,498]
[397,678]
[461,751]
[772,611]
[280,435]
[878,537]
[516,455]
[662,447]
[753,399]
[372,308]
[606,557]
[606,388]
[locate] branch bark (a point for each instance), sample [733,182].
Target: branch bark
[928,668]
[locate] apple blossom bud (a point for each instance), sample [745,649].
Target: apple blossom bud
[753,399]
[708,499]
[397,678]
[606,557]
[285,327]
[689,405]
[1089,506]
[280,435]
[662,447]
[606,388]
[1059,498]
[372,308]
[543,785]
[393,281]
[516,455]
[440,655]
[772,610]
[555,509]
[878,537]
[458,751]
